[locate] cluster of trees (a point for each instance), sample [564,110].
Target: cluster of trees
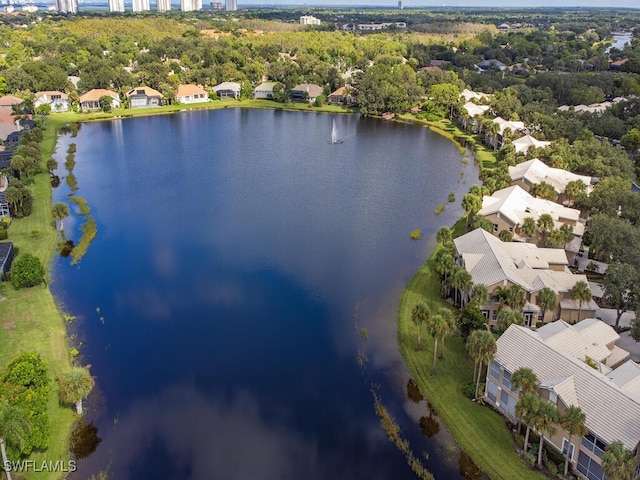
[24,394]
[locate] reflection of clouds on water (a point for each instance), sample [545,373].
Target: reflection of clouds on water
[226,439]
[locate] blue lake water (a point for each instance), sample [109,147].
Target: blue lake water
[220,307]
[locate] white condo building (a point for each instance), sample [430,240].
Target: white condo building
[140,5]
[309,20]
[67,6]
[231,5]
[190,5]
[116,5]
[164,5]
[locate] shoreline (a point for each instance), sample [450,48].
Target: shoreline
[39,302]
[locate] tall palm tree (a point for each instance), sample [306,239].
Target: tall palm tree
[582,293]
[450,320]
[437,326]
[566,233]
[461,280]
[472,348]
[14,429]
[526,409]
[472,205]
[546,300]
[618,462]
[544,422]
[573,421]
[545,225]
[482,346]
[500,295]
[420,315]
[444,264]
[60,211]
[479,294]
[525,380]
[516,297]
[506,317]
[75,385]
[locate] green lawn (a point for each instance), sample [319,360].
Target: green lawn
[479,431]
[29,318]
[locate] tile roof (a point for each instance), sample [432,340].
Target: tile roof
[595,393]
[148,91]
[523,144]
[310,88]
[189,90]
[535,171]
[627,377]
[512,125]
[473,109]
[47,94]
[471,95]
[9,100]
[95,95]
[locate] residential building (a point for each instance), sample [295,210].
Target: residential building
[508,208]
[494,264]
[491,64]
[557,353]
[4,206]
[341,96]
[141,97]
[534,171]
[231,5]
[6,259]
[306,92]
[67,6]
[470,95]
[164,5]
[190,5]
[140,5]
[228,90]
[264,91]
[504,125]
[523,144]
[91,99]
[116,6]
[309,20]
[58,101]
[191,94]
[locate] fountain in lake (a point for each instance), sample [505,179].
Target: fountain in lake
[334,133]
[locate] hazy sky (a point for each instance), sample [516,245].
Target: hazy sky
[457,3]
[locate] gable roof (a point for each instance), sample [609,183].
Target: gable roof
[523,144]
[310,88]
[535,171]
[9,100]
[491,261]
[512,125]
[471,95]
[189,90]
[148,91]
[95,95]
[516,204]
[595,393]
[474,109]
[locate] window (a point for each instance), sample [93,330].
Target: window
[495,227]
[492,391]
[494,370]
[508,403]
[506,379]
[593,444]
[553,397]
[589,467]
[485,314]
[511,229]
[565,444]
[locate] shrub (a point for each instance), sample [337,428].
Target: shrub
[529,457]
[3,234]
[27,271]
[415,234]
[519,441]
[469,390]
[439,209]
[452,197]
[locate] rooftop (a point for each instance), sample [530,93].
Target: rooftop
[535,171]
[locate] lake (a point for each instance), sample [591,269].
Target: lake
[239,302]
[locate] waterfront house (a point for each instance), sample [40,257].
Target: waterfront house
[58,101]
[141,97]
[523,144]
[508,208]
[191,94]
[4,206]
[91,100]
[264,91]
[341,96]
[557,353]
[494,264]
[6,259]
[534,172]
[306,92]
[228,90]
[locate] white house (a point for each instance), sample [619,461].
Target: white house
[191,94]
[523,144]
[534,171]
[264,90]
[58,101]
[91,99]
[228,90]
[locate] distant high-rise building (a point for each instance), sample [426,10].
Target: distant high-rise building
[116,5]
[217,6]
[140,5]
[309,20]
[190,5]
[401,4]
[231,5]
[67,6]
[164,5]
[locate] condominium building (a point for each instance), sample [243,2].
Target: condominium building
[164,5]
[309,20]
[140,5]
[190,5]
[116,5]
[231,5]
[67,6]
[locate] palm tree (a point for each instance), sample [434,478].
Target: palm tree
[573,190]
[528,227]
[573,423]
[506,317]
[501,294]
[618,462]
[437,326]
[505,236]
[76,385]
[461,280]
[444,264]
[526,409]
[482,346]
[420,315]
[516,297]
[450,320]
[544,422]
[479,294]
[472,205]
[14,429]
[525,380]
[566,233]
[444,235]
[545,225]
[582,293]
[60,211]
[546,300]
